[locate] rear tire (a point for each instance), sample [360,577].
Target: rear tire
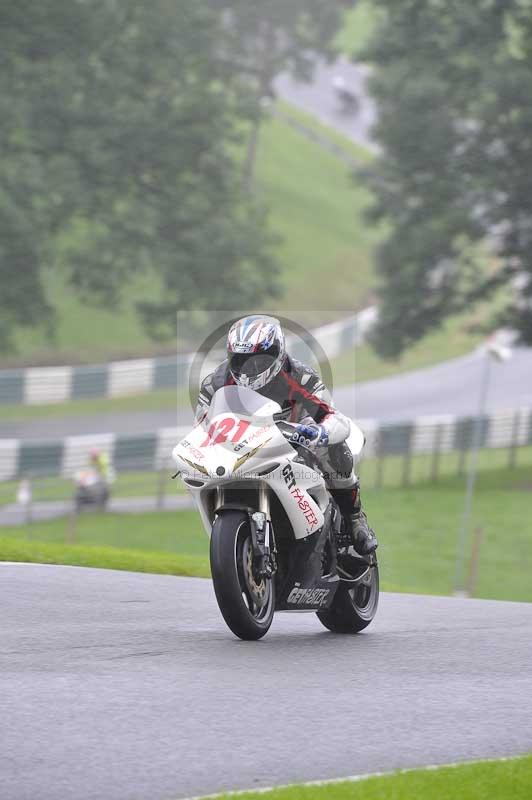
[247,603]
[353,608]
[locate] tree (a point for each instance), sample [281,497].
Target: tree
[268,38]
[453,83]
[121,125]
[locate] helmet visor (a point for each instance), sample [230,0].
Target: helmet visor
[251,365]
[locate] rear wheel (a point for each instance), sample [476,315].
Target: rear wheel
[355,603]
[246,600]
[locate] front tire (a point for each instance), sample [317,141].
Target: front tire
[246,601]
[354,606]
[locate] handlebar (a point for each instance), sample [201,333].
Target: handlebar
[287,429]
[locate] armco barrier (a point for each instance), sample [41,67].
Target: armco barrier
[425,435]
[40,385]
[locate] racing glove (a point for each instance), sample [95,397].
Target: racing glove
[310,436]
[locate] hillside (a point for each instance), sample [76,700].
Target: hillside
[325,254]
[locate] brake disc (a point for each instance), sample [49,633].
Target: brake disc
[257,589]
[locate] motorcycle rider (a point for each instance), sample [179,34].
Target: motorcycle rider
[257,358]
[99,461]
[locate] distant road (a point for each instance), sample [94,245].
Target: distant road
[451,387]
[319,99]
[122,686]
[448,388]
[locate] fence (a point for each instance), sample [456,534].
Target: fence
[432,438]
[39,385]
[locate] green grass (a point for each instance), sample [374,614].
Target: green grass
[127,484]
[85,333]
[317,210]
[417,528]
[493,473]
[103,557]
[498,780]
[359,23]
[419,532]
[356,152]
[169,532]
[162,542]
[493,470]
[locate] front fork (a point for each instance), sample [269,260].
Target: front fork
[262,538]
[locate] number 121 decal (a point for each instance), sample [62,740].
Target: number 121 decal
[218,432]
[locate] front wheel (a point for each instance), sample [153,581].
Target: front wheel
[354,605]
[246,600]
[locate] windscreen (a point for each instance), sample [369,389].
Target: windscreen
[242,401]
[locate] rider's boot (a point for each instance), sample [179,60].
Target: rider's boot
[364,539]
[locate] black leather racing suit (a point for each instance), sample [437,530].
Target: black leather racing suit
[303,398]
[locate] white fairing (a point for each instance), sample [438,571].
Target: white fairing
[239,439]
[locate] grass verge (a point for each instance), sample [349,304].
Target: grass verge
[493,467]
[509,779]
[78,555]
[127,484]
[417,528]
[493,471]
[355,152]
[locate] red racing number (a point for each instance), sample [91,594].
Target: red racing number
[218,432]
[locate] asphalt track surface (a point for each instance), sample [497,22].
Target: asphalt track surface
[448,388]
[129,686]
[451,387]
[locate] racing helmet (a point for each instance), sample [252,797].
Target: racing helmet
[255,350]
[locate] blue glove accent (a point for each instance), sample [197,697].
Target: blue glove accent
[311,435]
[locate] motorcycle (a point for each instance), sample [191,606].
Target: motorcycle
[278,541]
[91,491]
[347,98]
